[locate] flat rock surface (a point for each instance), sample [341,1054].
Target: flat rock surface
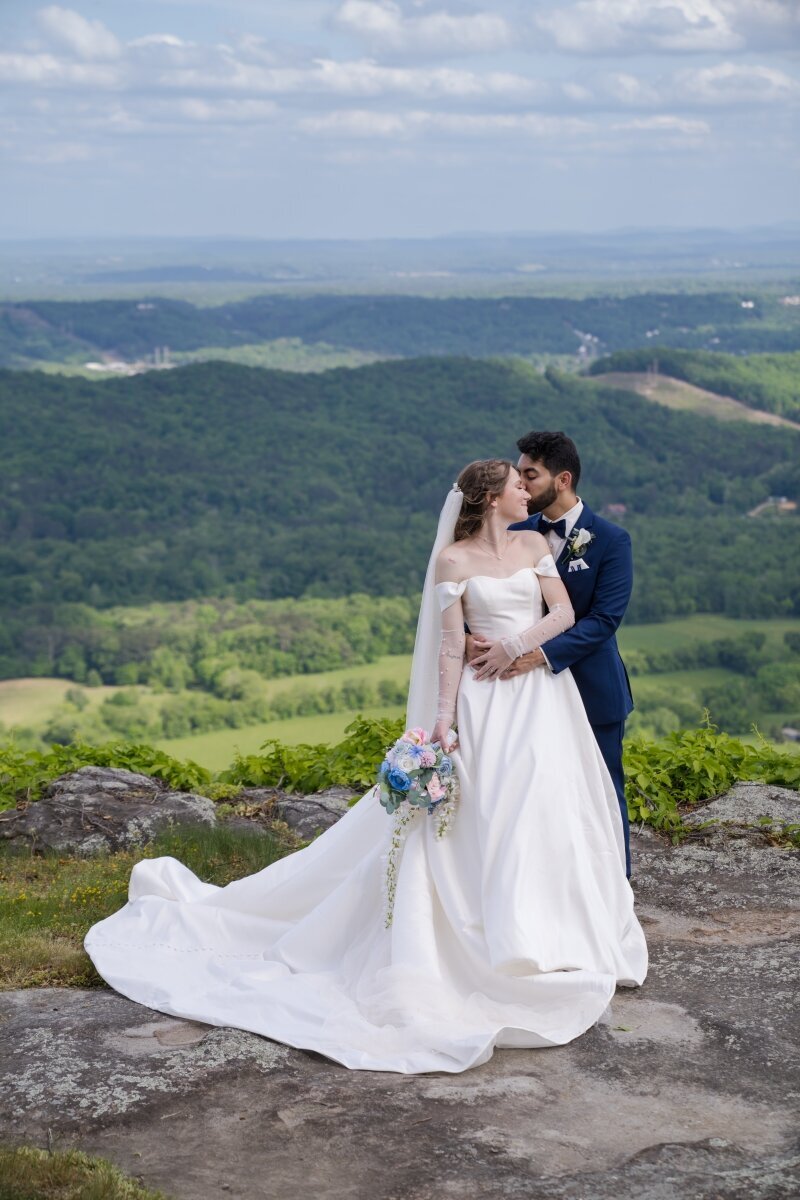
[685,1089]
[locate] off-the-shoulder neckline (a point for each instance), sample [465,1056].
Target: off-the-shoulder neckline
[453,583]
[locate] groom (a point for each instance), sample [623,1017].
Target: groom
[594,559]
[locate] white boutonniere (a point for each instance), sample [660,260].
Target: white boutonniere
[579,542]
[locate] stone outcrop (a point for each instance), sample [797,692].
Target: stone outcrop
[307,816]
[686,1090]
[97,809]
[754,812]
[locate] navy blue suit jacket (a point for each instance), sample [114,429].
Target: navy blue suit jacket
[599,592]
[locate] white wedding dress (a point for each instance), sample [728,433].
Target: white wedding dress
[512,930]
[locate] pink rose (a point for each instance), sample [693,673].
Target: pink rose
[435,789]
[417,736]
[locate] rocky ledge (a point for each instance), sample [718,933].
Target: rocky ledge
[687,1089]
[97,809]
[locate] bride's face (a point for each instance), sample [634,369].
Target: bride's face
[512,503]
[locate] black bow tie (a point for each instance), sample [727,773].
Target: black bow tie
[559,528]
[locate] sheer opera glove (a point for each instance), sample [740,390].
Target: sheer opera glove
[451,663]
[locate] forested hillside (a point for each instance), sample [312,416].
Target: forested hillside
[767,381]
[402,326]
[224,480]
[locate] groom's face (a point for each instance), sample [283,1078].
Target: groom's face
[539,484]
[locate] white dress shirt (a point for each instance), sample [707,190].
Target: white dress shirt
[570,518]
[557,544]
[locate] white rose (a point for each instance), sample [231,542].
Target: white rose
[406,763]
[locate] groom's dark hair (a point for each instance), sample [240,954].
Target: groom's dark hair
[557,451]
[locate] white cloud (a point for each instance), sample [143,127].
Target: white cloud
[162,86]
[736,84]
[224,112]
[688,126]
[384,25]
[366,123]
[47,70]
[672,26]
[725,85]
[368,78]
[88,39]
[159,39]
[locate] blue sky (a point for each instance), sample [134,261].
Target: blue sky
[366,118]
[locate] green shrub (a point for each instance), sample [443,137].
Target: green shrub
[24,773]
[692,765]
[663,777]
[352,763]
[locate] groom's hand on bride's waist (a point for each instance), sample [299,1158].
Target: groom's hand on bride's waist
[526,662]
[476,646]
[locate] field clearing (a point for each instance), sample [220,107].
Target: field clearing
[395,667]
[676,393]
[283,354]
[217,750]
[700,627]
[689,680]
[32,700]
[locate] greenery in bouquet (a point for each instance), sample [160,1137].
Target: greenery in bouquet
[415,775]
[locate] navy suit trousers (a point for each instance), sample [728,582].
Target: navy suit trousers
[609,739]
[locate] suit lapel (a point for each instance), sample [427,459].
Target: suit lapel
[584,521]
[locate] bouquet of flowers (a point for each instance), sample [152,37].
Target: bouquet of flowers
[416,772]
[415,775]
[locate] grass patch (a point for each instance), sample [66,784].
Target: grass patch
[702,627]
[283,354]
[48,903]
[30,1174]
[33,700]
[216,750]
[678,394]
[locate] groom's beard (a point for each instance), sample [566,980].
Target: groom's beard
[542,502]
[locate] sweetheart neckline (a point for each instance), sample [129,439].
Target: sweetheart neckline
[499,577]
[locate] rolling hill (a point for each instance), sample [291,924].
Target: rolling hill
[217,479]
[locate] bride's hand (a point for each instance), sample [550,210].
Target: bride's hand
[492,662]
[445,736]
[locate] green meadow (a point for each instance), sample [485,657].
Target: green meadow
[216,750]
[700,627]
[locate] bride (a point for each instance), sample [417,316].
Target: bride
[513,930]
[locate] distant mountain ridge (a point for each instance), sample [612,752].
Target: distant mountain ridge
[404,326]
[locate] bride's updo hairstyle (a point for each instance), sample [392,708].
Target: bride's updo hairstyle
[480,482]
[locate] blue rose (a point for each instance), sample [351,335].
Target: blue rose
[384,769]
[445,767]
[398,780]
